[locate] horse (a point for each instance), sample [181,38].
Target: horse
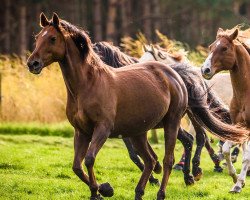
[112,56]
[230,51]
[159,54]
[105,102]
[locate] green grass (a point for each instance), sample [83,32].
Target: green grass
[58,129]
[39,167]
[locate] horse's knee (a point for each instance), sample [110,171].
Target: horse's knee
[226,148]
[89,161]
[77,170]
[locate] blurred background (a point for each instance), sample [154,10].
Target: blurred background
[189,24]
[190,21]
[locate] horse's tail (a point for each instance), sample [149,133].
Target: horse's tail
[217,106]
[220,129]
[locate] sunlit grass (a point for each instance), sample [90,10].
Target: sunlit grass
[35,167]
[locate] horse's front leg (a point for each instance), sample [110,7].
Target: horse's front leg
[226,152]
[81,144]
[245,164]
[100,135]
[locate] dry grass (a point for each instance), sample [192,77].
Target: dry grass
[27,97]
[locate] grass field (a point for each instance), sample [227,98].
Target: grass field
[39,167]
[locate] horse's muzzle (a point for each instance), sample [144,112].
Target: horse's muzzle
[35,66]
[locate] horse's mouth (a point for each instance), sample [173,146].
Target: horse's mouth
[36,71]
[207,77]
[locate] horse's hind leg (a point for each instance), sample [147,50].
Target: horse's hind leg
[226,152]
[171,125]
[158,167]
[215,158]
[135,158]
[140,143]
[187,142]
[245,164]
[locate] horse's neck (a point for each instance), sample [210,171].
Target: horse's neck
[240,74]
[76,71]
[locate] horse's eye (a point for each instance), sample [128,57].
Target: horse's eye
[224,49]
[53,39]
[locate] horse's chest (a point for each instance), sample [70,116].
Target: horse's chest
[78,118]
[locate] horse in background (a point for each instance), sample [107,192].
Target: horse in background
[230,51]
[175,58]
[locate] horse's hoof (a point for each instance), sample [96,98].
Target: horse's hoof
[106,190]
[154,181]
[160,195]
[178,167]
[97,197]
[158,168]
[235,189]
[218,169]
[197,174]
[189,180]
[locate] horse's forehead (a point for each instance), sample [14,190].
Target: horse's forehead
[48,30]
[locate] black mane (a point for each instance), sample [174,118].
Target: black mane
[79,36]
[112,55]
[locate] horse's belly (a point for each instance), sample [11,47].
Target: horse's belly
[138,120]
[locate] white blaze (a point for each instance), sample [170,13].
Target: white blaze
[44,33]
[207,63]
[217,43]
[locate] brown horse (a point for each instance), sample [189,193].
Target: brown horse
[106,102]
[230,52]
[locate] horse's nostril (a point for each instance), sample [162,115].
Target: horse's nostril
[207,71]
[35,63]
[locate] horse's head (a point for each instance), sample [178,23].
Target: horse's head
[222,54]
[152,53]
[50,45]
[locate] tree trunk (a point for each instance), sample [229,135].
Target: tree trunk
[156,14]
[146,18]
[23,41]
[125,16]
[111,20]
[7,27]
[97,20]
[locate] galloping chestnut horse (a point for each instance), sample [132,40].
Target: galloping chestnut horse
[230,51]
[105,102]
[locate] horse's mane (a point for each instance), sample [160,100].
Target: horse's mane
[112,55]
[81,40]
[178,56]
[243,36]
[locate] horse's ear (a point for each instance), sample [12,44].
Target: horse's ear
[55,19]
[219,31]
[234,35]
[43,20]
[152,48]
[144,48]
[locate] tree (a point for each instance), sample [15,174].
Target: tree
[97,9]
[112,6]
